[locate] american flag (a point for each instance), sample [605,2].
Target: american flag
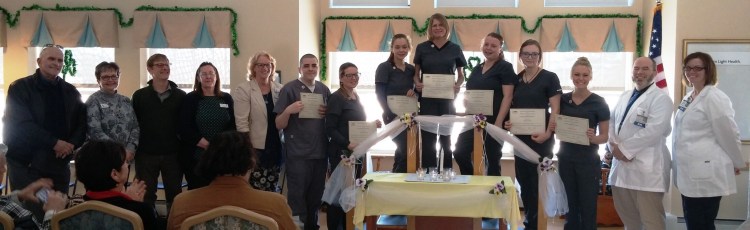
[654,51]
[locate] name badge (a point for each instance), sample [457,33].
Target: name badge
[223,105]
[685,103]
[641,118]
[104,106]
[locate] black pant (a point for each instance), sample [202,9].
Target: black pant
[529,180]
[399,159]
[436,107]
[187,165]
[335,218]
[580,173]
[700,212]
[465,150]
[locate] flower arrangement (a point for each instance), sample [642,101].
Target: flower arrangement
[408,119]
[348,161]
[362,184]
[499,189]
[480,121]
[546,164]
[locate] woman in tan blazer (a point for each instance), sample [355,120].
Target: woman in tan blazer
[253,105]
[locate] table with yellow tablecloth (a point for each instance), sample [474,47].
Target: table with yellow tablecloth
[389,194]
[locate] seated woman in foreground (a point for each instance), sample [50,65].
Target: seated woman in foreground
[101,167]
[227,163]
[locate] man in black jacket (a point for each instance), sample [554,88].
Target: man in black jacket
[157,109]
[45,120]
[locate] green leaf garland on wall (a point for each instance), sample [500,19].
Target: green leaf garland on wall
[12,19]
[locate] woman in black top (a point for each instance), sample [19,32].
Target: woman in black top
[205,112]
[395,77]
[344,105]
[537,89]
[497,75]
[437,56]
[580,167]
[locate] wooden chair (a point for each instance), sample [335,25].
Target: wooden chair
[606,215]
[96,215]
[6,222]
[229,217]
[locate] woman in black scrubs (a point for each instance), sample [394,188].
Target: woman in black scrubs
[344,105]
[537,89]
[497,75]
[580,167]
[438,55]
[395,77]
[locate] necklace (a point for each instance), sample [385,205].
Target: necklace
[528,78]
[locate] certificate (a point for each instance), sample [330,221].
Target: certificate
[527,121]
[311,103]
[438,86]
[361,130]
[479,102]
[401,105]
[572,129]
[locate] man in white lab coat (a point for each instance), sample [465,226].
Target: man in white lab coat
[639,126]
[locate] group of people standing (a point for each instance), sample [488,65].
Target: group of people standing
[706,146]
[168,132]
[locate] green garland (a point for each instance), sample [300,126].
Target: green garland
[423,30]
[12,20]
[471,65]
[8,16]
[233,27]
[70,66]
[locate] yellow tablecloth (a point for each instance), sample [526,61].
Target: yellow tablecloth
[389,194]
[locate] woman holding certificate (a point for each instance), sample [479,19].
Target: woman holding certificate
[394,79]
[706,144]
[205,112]
[581,113]
[345,109]
[496,77]
[253,112]
[437,63]
[534,95]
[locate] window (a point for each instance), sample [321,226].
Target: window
[611,74]
[186,61]
[588,3]
[370,3]
[86,60]
[476,3]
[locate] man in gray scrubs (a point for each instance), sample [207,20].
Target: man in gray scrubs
[305,143]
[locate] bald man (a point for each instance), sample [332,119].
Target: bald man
[45,120]
[638,129]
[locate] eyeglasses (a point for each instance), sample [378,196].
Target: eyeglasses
[207,74]
[110,78]
[353,75]
[690,69]
[162,65]
[53,45]
[527,55]
[263,65]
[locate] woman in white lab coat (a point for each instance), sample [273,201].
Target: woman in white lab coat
[706,144]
